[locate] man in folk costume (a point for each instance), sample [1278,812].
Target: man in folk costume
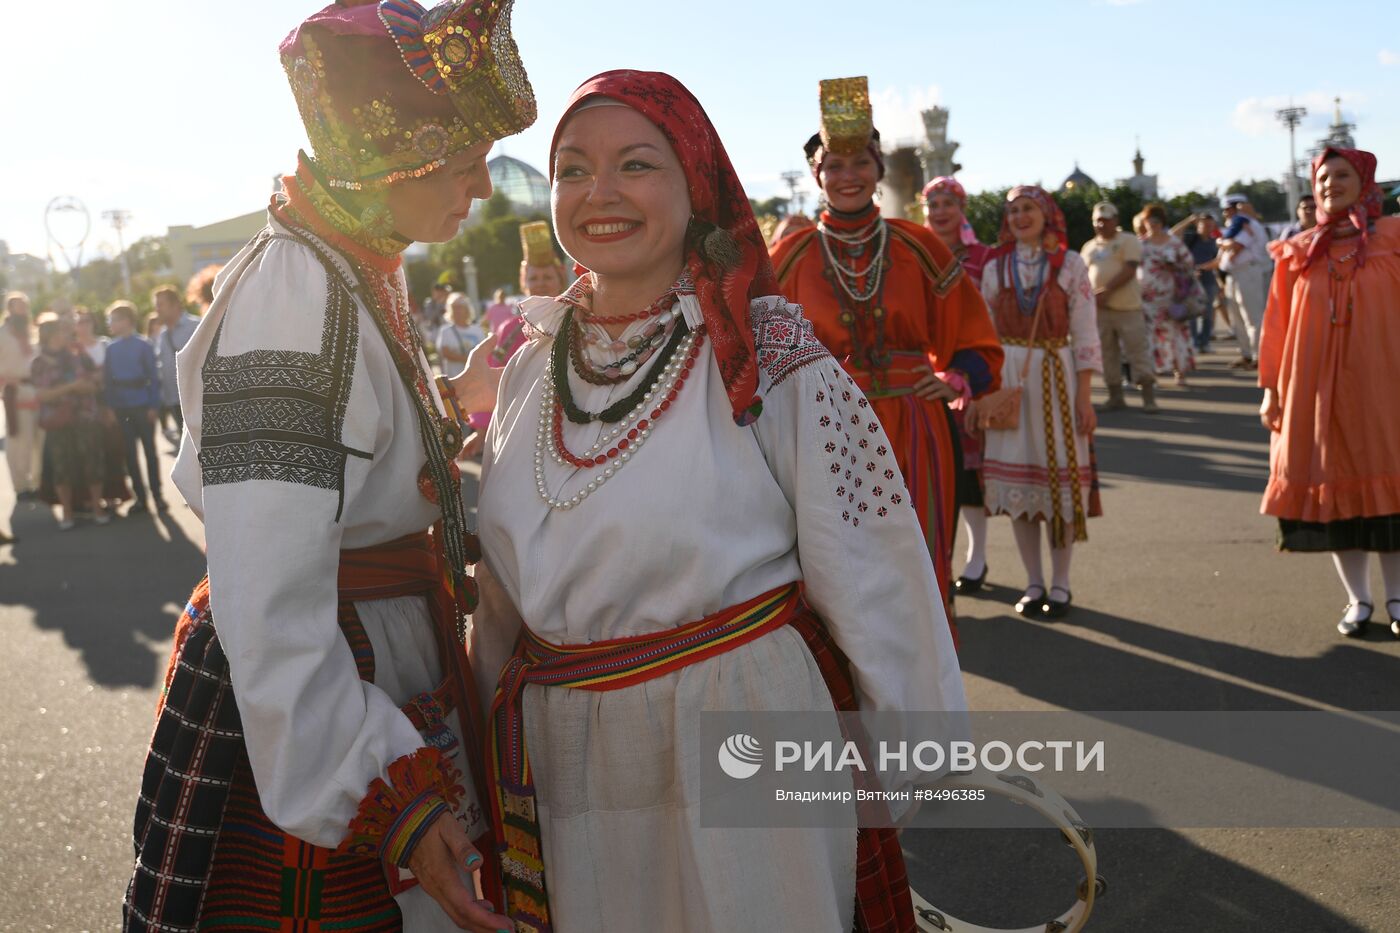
[892,303]
[316,763]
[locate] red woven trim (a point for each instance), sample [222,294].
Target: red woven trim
[395,813]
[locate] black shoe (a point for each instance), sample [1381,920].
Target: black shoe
[1031,606]
[966,584]
[162,506]
[1358,628]
[139,507]
[1054,608]
[1394,619]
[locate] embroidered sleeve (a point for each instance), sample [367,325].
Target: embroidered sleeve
[783,338]
[1083,314]
[864,557]
[395,814]
[280,414]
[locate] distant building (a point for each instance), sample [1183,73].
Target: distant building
[1144,185]
[1077,180]
[193,248]
[936,153]
[22,272]
[1338,134]
[525,186]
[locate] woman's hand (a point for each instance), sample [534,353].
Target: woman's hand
[1085,420]
[932,389]
[1270,412]
[438,861]
[476,385]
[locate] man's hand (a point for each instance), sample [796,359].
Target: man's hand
[438,862]
[477,384]
[932,389]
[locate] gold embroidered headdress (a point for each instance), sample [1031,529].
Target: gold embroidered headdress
[390,90]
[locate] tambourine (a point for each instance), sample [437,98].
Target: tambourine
[1024,790]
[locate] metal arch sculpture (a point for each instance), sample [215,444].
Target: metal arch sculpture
[66,205]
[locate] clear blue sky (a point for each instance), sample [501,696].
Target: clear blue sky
[178,111]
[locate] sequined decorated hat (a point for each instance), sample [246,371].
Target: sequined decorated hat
[537,243]
[390,90]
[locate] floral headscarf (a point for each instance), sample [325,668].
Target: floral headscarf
[947,184]
[1361,214]
[1055,240]
[724,284]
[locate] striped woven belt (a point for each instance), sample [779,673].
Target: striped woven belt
[1053,343]
[606,665]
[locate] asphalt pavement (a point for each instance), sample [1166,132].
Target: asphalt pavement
[1181,603]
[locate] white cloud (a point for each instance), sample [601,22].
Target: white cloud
[1255,116]
[897,112]
[1387,57]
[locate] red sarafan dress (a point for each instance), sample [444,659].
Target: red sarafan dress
[924,315]
[1330,346]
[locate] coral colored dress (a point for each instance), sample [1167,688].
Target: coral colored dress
[1330,346]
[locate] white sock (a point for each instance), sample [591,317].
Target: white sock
[1390,573]
[975,524]
[1352,568]
[1059,567]
[1028,543]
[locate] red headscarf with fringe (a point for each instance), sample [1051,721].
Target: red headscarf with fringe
[716,197]
[1361,214]
[1055,239]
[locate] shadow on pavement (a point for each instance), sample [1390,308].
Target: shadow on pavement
[114,591]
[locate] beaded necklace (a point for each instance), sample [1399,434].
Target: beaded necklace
[632,419]
[1026,299]
[858,304]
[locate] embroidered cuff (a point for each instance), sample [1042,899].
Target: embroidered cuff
[958,382]
[394,815]
[1090,358]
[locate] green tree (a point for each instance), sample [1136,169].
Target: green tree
[1266,195]
[775,207]
[494,243]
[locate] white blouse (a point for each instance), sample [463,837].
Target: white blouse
[318,451]
[708,514]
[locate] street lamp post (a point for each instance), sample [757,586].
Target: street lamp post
[1291,117]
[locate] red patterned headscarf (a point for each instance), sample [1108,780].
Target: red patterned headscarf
[1361,214]
[1055,240]
[717,200]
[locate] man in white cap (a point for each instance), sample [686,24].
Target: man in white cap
[1113,258]
[1244,257]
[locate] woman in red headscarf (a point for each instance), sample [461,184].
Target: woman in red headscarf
[1327,355]
[945,201]
[1041,472]
[890,301]
[691,507]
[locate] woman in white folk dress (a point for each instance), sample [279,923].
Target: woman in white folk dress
[634,502]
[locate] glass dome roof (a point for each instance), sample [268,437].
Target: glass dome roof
[524,184]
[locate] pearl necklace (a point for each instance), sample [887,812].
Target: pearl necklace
[846,277]
[618,444]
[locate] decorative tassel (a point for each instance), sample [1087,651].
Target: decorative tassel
[749,415]
[721,249]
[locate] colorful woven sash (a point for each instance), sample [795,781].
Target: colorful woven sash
[605,665]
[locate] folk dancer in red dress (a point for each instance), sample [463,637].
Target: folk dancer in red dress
[889,300]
